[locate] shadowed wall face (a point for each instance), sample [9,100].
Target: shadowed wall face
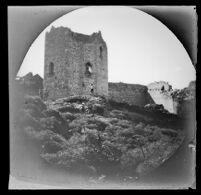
[129,93]
[75,64]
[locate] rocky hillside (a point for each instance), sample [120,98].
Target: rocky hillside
[106,139]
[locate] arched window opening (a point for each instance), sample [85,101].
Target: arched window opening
[162,88]
[88,71]
[51,69]
[101,52]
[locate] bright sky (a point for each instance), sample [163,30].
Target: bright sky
[141,49]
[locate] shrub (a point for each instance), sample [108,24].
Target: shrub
[119,114]
[39,135]
[129,132]
[111,150]
[49,122]
[36,101]
[54,113]
[124,123]
[68,116]
[98,109]
[131,158]
[169,132]
[26,119]
[92,136]
[68,108]
[114,120]
[140,126]
[113,129]
[34,106]
[100,122]
[53,124]
[78,123]
[156,135]
[92,126]
[72,154]
[52,147]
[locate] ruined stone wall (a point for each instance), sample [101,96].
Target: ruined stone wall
[161,94]
[30,84]
[165,99]
[70,53]
[130,93]
[157,86]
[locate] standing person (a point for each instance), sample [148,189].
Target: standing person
[82,107]
[41,93]
[92,88]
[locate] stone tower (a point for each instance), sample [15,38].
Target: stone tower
[75,64]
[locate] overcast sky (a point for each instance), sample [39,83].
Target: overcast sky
[141,49]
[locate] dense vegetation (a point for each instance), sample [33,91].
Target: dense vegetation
[99,136]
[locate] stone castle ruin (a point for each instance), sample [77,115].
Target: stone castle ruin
[75,64]
[161,93]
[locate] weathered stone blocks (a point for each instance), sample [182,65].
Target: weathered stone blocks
[72,55]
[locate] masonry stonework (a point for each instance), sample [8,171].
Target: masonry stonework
[75,64]
[132,94]
[161,93]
